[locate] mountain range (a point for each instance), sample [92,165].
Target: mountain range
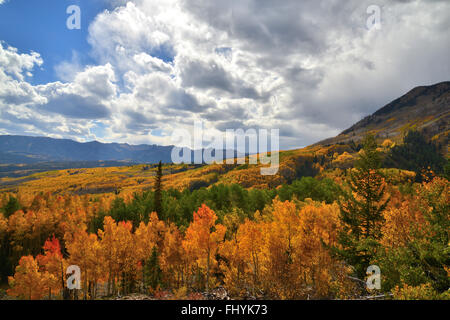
[426,108]
[27,150]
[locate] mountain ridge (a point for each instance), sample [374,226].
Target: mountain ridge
[32,149]
[425,108]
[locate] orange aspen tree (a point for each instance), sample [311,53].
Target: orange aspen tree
[148,236]
[251,241]
[202,239]
[243,258]
[52,261]
[118,250]
[173,258]
[126,254]
[279,253]
[318,229]
[404,220]
[28,282]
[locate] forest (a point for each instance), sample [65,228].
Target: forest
[312,236]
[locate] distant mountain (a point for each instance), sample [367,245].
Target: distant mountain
[40,150]
[27,150]
[425,108]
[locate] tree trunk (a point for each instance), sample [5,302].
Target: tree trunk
[207,273]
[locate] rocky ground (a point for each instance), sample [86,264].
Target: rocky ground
[216,294]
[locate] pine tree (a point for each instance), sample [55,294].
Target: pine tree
[158,191]
[418,155]
[152,271]
[11,207]
[361,210]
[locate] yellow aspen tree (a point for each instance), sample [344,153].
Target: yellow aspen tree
[251,241]
[281,274]
[173,260]
[108,252]
[118,250]
[243,258]
[148,236]
[20,230]
[202,239]
[318,229]
[28,282]
[83,253]
[126,253]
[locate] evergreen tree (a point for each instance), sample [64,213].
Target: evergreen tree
[11,207]
[158,191]
[416,154]
[152,271]
[361,210]
[425,257]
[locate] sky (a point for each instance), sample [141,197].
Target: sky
[138,70]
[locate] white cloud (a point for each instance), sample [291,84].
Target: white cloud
[88,96]
[14,68]
[55,109]
[310,68]
[15,64]
[118,36]
[67,70]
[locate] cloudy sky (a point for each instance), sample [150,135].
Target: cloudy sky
[138,70]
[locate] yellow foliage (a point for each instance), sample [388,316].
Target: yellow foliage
[284,256]
[422,292]
[201,244]
[28,282]
[387,144]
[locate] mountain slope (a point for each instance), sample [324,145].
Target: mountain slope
[425,108]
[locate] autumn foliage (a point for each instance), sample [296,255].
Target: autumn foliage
[277,243]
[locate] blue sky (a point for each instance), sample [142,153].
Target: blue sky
[140,69]
[40,25]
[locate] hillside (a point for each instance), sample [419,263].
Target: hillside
[425,108]
[104,209]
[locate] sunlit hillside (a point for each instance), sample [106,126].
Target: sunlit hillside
[224,231]
[423,108]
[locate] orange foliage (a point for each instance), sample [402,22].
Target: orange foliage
[28,282]
[148,236]
[202,242]
[284,256]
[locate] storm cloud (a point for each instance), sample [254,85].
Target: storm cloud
[309,68]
